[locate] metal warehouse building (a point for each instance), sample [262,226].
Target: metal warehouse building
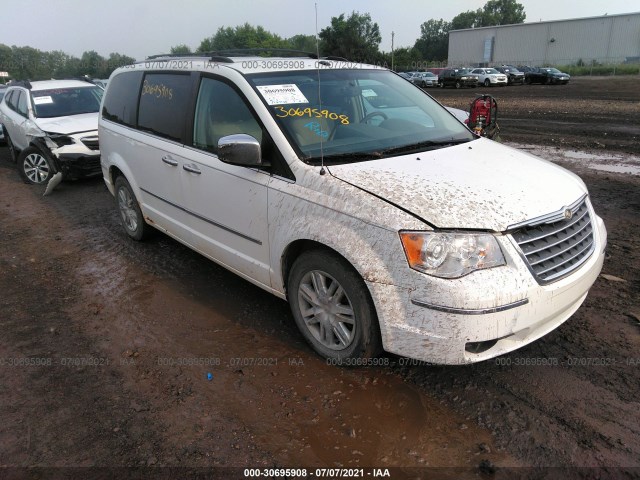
[607,39]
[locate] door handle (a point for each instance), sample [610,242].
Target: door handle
[192,169]
[170,161]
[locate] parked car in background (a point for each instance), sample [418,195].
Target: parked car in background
[458,78]
[490,76]
[52,129]
[514,76]
[405,75]
[545,75]
[3,89]
[424,79]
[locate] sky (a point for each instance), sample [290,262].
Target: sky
[140,28]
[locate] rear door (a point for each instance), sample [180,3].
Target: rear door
[15,117]
[164,112]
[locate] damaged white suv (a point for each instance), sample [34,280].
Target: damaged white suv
[357,197]
[51,129]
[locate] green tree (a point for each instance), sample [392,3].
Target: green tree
[242,36]
[181,49]
[28,64]
[306,43]
[404,59]
[115,60]
[464,20]
[502,12]
[433,43]
[356,38]
[92,64]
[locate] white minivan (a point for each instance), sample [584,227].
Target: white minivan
[357,197]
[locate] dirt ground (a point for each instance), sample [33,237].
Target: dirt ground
[116,354]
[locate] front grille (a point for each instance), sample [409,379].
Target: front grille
[557,244]
[91,143]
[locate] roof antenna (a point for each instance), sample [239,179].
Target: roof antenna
[322,170]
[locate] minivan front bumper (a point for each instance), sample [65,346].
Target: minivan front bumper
[482,315]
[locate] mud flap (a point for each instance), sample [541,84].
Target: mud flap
[53,183]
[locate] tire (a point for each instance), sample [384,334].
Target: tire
[321,281]
[458,84]
[13,156]
[486,82]
[527,81]
[129,211]
[35,167]
[441,84]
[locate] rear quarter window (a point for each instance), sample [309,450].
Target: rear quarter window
[164,103]
[121,101]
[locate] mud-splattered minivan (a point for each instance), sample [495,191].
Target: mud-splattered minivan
[354,195]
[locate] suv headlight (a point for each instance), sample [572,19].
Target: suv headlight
[451,254]
[56,140]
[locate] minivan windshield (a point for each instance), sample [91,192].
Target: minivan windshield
[63,102]
[356,114]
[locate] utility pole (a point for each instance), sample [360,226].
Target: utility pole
[392,35]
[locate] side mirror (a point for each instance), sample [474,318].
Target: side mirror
[240,149]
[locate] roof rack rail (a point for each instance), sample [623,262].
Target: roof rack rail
[20,83]
[224,55]
[83,78]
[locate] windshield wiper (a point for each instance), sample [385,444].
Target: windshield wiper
[350,157]
[428,145]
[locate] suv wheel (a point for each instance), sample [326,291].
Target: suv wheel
[130,213]
[486,82]
[332,307]
[34,166]
[458,84]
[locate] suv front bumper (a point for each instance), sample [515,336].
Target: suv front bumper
[482,315]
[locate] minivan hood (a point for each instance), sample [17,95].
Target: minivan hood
[85,122]
[476,185]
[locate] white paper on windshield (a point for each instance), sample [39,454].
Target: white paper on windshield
[369,93]
[282,94]
[41,100]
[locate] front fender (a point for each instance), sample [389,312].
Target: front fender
[358,226]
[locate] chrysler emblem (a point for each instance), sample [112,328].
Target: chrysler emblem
[568,214]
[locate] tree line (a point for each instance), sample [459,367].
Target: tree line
[33,64]
[355,37]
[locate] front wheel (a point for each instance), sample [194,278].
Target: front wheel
[486,82]
[458,85]
[130,213]
[332,307]
[34,166]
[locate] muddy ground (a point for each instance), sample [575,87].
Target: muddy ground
[106,346]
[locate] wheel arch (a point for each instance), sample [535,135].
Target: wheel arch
[117,167]
[297,248]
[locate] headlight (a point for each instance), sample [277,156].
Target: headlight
[450,254]
[463,78]
[56,140]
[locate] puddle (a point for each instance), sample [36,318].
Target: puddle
[604,162]
[288,400]
[616,168]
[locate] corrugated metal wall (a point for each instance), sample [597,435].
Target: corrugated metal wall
[607,39]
